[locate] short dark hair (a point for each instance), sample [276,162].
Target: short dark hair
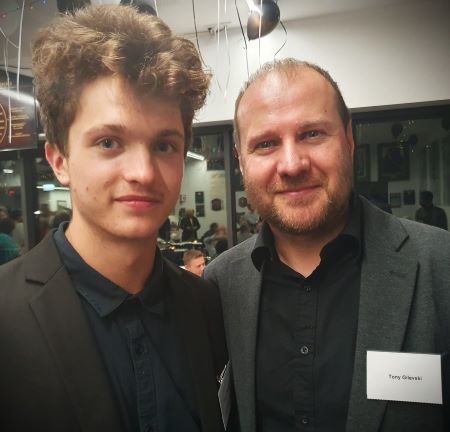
[7,225]
[426,195]
[290,66]
[191,255]
[107,40]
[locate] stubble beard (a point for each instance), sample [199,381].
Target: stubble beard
[320,212]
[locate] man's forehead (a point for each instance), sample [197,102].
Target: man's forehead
[276,84]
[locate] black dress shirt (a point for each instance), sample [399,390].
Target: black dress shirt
[307,334]
[137,340]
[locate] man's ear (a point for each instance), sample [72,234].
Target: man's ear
[350,141]
[237,153]
[58,162]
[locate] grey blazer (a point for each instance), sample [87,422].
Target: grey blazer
[404,306]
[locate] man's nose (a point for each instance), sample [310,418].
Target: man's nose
[140,166]
[294,159]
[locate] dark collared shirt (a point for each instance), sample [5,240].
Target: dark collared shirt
[307,334]
[137,340]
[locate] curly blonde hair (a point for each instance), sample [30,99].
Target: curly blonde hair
[113,40]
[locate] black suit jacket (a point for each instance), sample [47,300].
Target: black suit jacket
[52,375]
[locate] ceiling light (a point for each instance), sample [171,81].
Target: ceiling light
[268,16]
[8,171]
[195,156]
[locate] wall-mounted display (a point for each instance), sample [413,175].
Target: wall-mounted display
[216,204]
[395,199]
[215,164]
[200,210]
[362,162]
[199,197]
[409,197]
[242,202]
[393,161]
[17,118]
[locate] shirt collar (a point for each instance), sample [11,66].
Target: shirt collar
[264,248]
[101,293]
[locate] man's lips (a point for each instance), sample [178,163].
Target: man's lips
[138,201]
[300,190]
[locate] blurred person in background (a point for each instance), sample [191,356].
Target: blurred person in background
[429,214]
[190,225]
[18,233]
[9,249]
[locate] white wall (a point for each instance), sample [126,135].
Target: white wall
[212,183]
[51,198]
[386,56]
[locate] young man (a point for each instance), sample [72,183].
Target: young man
[99,332]
[329,278]
[194,261]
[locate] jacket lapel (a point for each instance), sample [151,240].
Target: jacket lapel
[386,292]
[240,301]
[194,334]
[60,316]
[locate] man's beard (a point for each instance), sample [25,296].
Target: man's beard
[300,216]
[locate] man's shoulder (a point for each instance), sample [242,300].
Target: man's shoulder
[38,264]
[407,233]
[10,270]
[240,252]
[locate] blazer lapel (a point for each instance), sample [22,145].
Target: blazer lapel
[60,316]
[188,315]
[386,293]
[240,301]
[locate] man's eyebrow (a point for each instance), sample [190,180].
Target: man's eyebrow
[315,124]
[170,133]
[113,128]
[120,129]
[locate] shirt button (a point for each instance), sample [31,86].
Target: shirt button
[139,349]
[305,420]
[304,350]
[308,288]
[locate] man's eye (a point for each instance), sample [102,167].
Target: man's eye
[165,147]
[312,134]
[265,145]
[108,144]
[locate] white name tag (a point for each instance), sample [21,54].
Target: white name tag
[407,377]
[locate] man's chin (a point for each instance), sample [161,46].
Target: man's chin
[298,221]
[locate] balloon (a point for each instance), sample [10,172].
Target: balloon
[269,20]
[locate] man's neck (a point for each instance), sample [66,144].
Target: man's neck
[301,252]
[126,263]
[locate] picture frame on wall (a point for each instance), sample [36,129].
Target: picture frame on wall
[395,199]
[61,204]
[393,161]
[199,197]
[362,163]
[409,197]
[200,210]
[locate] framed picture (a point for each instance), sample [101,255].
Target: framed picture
[393,161]
[200,210]
[199,197]
[395,199]
[409,197]
[362,162]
